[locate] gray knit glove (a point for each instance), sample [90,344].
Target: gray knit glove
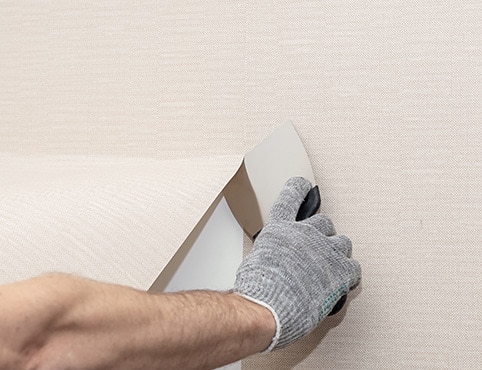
[297,269]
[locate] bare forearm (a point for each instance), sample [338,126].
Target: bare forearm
[209,329]
[80,324]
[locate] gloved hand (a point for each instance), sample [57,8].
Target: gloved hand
[299,270]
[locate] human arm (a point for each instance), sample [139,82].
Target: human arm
[292,279]
[62,322]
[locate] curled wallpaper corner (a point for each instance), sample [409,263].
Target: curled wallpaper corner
[111,219]
[122,220]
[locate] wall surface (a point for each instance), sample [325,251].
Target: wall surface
[385,95]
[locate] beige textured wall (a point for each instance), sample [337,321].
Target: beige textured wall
[386,96]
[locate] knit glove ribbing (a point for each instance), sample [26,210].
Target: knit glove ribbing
[297,269]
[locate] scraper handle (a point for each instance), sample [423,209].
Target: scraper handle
[308,208]
[310,204]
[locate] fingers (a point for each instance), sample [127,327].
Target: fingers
[289,201]
[322,224]
[355,273]
[343,244]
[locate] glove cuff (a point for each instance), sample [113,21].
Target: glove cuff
[277,335]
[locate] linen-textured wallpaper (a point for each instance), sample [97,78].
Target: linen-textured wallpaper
[385,95]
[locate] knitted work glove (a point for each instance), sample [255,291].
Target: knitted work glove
[297,269]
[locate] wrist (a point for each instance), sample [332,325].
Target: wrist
[267,322]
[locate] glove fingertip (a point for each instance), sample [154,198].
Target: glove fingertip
[290,199]
[355,273]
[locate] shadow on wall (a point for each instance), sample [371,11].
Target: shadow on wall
[288,358]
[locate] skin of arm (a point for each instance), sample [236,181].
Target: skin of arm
[59,321]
